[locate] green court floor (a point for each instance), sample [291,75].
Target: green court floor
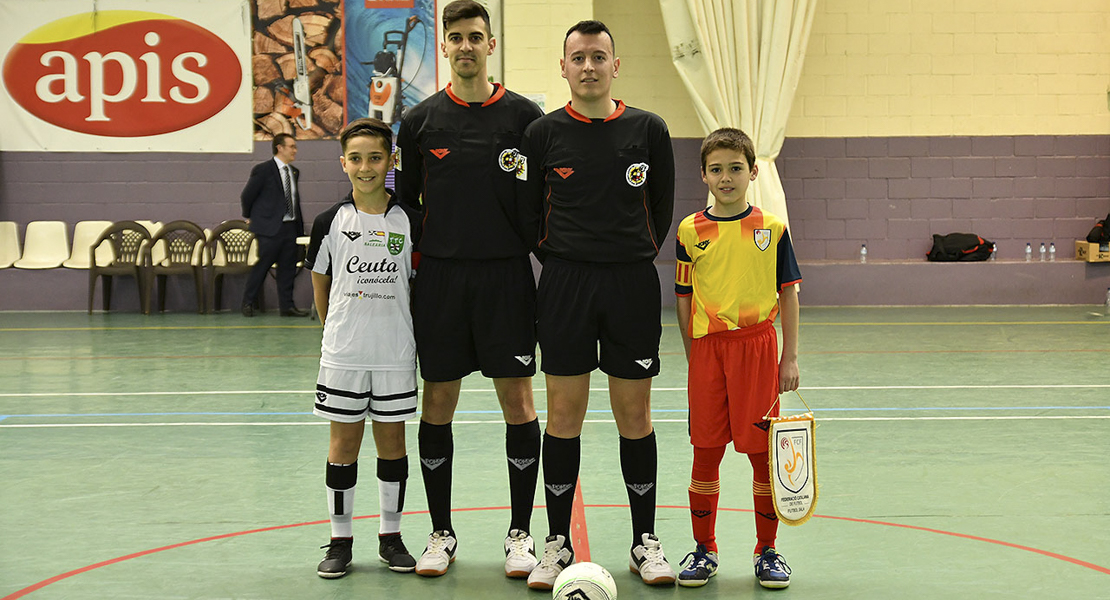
[961,453]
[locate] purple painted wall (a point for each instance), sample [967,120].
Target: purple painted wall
[890,193]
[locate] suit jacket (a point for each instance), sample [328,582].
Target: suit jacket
[263,199]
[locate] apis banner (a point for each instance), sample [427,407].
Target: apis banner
[125,75]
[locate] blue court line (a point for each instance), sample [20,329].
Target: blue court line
[601,411]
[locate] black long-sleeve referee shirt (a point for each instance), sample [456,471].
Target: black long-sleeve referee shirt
[598,190]
[458,165]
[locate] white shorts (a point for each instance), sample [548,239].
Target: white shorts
[350,396]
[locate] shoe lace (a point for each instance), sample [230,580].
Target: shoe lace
[518,545]
[653,554]
[438,542]
[775,562]
[695,560]
[551,557]
[335,548]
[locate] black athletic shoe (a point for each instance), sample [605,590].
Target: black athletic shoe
[337,559]
[392,551]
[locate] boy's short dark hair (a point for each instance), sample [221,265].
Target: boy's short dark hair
[590,28]
[367,127]
[728,138]
[279,140]
[464,9]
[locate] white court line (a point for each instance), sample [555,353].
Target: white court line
[654,389]
[413,424]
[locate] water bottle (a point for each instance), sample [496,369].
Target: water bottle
[1042,251]
[1052,252]
[1028,252]
[863,253]
[994,251]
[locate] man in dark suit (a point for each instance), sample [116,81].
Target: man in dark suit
[272,207]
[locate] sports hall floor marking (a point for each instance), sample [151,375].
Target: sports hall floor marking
[37,586]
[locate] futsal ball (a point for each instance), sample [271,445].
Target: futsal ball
[584,581]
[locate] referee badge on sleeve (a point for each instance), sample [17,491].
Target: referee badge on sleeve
[793,467]
[521,167]
[397,159]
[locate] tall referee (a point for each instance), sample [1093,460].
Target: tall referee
[599,183]
[474,294]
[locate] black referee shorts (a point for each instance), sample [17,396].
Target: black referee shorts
[472,315]
[580,306]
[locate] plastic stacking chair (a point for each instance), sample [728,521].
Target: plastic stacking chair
[84,234]
[181,244]
[127,240]
[9,243]
[45,245]
[234,252]
[153,227]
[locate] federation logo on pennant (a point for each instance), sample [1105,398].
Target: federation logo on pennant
[636,175]
[793,468]
[762,238]
[396,243]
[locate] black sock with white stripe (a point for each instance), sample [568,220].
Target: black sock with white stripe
[340,482]
[522,448]
[639,465]
[437,447]
[561,458]
[392,476]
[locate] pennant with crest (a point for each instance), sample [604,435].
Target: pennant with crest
[793,465]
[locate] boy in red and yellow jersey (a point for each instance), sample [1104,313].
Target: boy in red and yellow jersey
[736,272]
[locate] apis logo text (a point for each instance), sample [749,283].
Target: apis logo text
[122,73]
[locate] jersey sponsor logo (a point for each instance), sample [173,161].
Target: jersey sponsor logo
[362,295]
[377,238]
[352,235]
[525,359]
[645,363]
[564,172]
[559,488]
[701,514]
[507,160]
[440,152]
[702,245]
[762,238]
[357,265]
[636,175]
[522,463]
[432,463]
[640,488]
[396,243]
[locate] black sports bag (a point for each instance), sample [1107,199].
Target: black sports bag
[959,246]
[1100,234]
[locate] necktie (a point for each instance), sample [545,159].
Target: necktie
[288,193]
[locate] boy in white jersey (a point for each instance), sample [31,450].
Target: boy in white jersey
[362,259]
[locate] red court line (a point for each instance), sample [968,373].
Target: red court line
[32,588]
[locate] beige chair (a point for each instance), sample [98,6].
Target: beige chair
[45,245]
[128,241]
[182,248]
[234,251]
[158,254]
[84,234]
[9,243]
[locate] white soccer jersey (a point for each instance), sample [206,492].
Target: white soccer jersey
[370,261]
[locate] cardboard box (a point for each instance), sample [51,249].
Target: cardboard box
[1089,252]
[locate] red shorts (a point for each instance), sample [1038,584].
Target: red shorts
[733,381]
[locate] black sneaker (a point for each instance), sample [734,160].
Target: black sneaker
[392,551]
[337,559]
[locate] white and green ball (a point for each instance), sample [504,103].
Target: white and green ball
[584,581]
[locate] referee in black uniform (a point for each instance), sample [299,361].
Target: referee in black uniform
[474,295]
[598,187]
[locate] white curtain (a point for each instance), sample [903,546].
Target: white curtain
[740,61]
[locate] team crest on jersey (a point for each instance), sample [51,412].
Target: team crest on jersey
[636,175]
[396,243]
[762,238]
[507,160]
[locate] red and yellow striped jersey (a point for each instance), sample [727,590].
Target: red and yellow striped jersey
[734,267]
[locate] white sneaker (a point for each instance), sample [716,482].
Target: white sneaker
[557,556]
[647,559]
[520,554]
[439,554]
